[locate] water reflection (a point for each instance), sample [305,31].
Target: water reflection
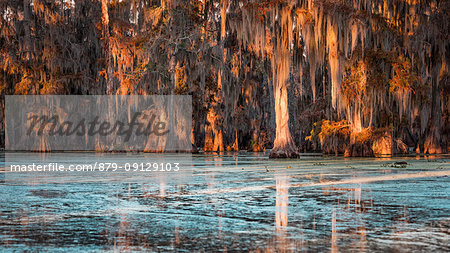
[281,213]
[334,247]
[348,222]
[230,203]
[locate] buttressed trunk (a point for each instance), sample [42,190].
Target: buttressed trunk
[433,144]
[214,128]
[213,132]
[283,146]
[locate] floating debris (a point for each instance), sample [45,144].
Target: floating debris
[401,164]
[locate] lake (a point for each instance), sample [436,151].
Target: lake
[230,202]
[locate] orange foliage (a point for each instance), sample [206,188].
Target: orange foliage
[404,79]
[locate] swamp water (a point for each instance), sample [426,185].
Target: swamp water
[229,202]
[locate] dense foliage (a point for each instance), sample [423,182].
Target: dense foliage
[261,73]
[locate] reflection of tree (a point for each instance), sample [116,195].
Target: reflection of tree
[334,246]
[122,240]
[282,201]
[281,213]
[355,226]
[162,188]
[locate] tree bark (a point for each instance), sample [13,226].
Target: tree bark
[105,35]
[283,146]
[433,144]
[213,132]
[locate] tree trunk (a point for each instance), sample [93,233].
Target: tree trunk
[105,35]
[433,144]
[213,132]
[283,146]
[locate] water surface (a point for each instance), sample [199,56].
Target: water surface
[234,202]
